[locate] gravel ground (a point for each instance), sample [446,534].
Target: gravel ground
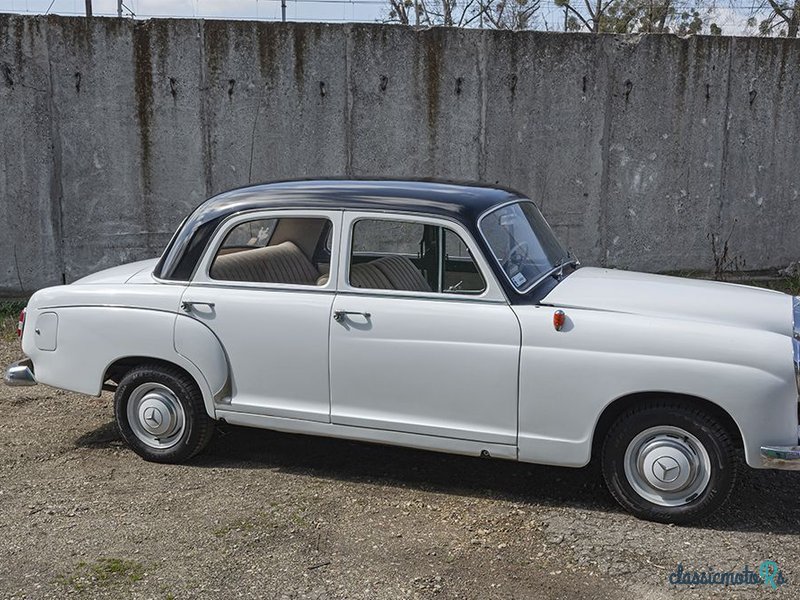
[267,515]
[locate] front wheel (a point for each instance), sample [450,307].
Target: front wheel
[669,462]
[160,413]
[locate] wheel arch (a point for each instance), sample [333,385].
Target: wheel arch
[121,366]
[618,406]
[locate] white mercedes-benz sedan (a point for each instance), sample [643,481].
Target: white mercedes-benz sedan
[430,315]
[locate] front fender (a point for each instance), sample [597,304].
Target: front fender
[568,377]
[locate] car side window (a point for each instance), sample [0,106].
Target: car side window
[461,274]
[274,251]
[252,234]
[412,257]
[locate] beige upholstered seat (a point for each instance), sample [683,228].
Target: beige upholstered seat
[402,273]
[283,263]
[389,273]
[368,275]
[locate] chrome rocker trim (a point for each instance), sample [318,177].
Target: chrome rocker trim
[20,373]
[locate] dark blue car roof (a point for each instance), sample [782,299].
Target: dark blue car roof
[463,202]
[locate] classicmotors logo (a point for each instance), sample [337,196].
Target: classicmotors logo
[767,574]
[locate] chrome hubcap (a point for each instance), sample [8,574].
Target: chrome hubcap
[155,415]
[667,466]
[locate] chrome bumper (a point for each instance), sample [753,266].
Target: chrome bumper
[20,373]
[781,457]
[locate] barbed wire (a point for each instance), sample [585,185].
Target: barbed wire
[731,14]
[24,6]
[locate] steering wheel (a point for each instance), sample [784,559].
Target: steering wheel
[516,256]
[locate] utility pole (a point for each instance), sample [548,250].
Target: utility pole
[88,8]
[283,11]
[119,8]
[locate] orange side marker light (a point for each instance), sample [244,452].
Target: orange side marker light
[558,319]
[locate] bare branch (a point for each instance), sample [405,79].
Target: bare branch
[779,10]
[578,15]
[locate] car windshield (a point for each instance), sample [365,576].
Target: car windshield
[522,242]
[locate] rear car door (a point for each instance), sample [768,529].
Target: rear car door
[265,287]
[422,338]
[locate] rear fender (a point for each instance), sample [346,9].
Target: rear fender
[91,338]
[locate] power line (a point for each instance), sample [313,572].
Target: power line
[734,13]
[748,5]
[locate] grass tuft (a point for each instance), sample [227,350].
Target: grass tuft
[9,313]
[103,573]
[11,308]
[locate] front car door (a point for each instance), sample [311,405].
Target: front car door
[265,287]
[422,339]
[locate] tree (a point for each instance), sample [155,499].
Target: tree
[783,17]
[490,14]
[684,17]
[592,18]
[511,14]
[634,16]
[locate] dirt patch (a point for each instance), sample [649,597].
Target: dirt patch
[268,515]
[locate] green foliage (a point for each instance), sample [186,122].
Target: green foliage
[783,19]
[689,22]
[11,308]
[788,285]
[638,16]
[772,17]
[103,573]
[277,517]
[9,312]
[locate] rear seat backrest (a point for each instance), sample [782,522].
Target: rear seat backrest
[283,263]
[402,273]
[389,273]
[368,275]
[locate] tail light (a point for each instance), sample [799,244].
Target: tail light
[21,323]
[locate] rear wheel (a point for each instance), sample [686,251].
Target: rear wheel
[669,462]
[160,413]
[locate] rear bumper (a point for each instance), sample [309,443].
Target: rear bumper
[20,373]
[781,457]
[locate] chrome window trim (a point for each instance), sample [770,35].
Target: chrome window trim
[489,211]
[493,291]
[201,276]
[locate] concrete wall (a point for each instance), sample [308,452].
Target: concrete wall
[637,149]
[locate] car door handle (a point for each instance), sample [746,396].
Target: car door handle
[188,305]
[339,315]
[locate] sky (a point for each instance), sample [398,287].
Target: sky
[296,10]
[550,17]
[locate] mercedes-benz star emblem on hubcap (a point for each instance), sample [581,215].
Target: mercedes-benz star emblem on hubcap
[666,469]
[152,416]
